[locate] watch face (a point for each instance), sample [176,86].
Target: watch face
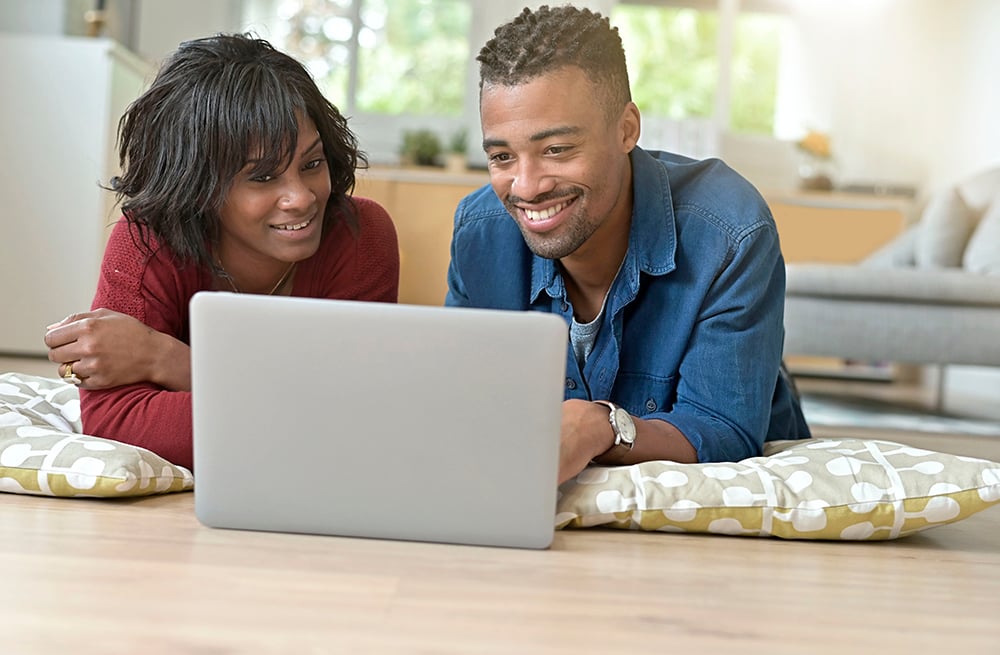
[626,427]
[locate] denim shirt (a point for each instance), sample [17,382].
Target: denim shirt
[693,327]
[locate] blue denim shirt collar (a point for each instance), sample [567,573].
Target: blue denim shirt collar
[652,238]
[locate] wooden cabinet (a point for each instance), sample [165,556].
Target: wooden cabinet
[835,227]
[422,205]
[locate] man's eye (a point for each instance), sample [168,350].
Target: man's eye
[500,157]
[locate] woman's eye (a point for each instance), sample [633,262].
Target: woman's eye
[261,178]
[316,163]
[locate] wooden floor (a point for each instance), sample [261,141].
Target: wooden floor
[144,576]
[110,577]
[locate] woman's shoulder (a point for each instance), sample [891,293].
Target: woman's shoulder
[369,211]
[370,235]
[129,242]
[131,236]
[374,225]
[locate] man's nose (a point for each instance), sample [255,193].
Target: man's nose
[531,180]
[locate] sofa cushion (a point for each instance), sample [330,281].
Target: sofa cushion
[901,251]
[982,255]
[981,190]
[944,230]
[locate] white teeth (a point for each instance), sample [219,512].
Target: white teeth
[292,228]
[533,215]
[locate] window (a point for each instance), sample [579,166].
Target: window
[382,56]
[697,67]
[685,63]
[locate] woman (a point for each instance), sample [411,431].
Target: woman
[236,177]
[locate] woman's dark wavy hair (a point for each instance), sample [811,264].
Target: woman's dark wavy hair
[216,103]
[542,41]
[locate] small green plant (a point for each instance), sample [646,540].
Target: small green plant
[457,141]
[421,147]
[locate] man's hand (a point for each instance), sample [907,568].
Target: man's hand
[108,349]
[586,433]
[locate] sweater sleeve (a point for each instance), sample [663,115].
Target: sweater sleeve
[151,288]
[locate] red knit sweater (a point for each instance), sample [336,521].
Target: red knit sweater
[153,289]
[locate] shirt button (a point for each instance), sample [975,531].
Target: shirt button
[651,404]
[565,307]
[570,383]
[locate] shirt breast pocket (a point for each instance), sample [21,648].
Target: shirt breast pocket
[641,393]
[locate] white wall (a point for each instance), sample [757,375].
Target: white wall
[161,25]
[36,17]
[975,137]
[906,88]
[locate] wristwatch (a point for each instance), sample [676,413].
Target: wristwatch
[624,428]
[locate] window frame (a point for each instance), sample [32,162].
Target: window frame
[380,134]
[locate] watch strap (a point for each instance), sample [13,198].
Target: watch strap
[619,448]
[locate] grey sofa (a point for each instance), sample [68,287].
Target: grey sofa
[930,297]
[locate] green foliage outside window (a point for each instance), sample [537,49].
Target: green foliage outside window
[412,54]
[412,57]
[756,53]
[673,64]
[416,64]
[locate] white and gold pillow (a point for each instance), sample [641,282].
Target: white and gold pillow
[845,489]
[42,451]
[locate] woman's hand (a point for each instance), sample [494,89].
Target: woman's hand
[108,349]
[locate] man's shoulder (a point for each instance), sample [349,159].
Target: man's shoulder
[712,187]
[481,203]
[694,179]
[481,213]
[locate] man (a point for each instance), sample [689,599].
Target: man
[667,269]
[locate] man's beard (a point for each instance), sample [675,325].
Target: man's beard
[574,231]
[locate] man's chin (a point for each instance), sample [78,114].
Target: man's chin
[547,248]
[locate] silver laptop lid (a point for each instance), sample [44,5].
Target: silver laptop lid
[376,420]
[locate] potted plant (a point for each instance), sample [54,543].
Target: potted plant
[420,147]
[455,158]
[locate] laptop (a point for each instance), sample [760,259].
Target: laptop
[376,420]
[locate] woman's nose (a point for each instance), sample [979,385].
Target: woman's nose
[296,194]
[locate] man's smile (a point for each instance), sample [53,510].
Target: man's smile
[548,212]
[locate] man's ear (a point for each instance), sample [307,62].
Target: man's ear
[630,125]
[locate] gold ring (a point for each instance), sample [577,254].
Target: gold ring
[70,376]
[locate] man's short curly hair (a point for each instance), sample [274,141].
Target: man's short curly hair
[550,38]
